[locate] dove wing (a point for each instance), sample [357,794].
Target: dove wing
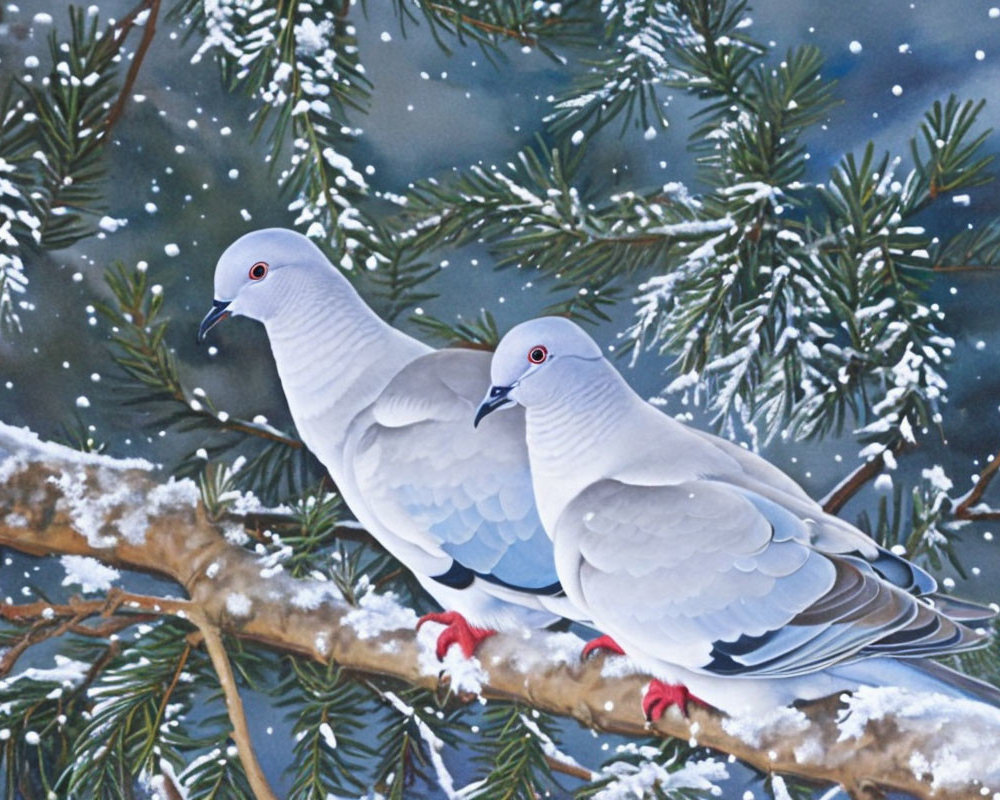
[431,477]
[720,580]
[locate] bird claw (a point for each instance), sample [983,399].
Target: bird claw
[603,642]
[458,631]
[660,696]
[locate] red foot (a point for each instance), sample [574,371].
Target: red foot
[660,696]
[604,642]
[458,632]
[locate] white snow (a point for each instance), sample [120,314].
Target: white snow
[549,747]
[936,477]
[310,595]
[633,781]
[779,789]
[328,736]
[378,613]
[89,573]
[466,675]
[238,604]
[962,755]
[67,672]
[753,729]
[18,442]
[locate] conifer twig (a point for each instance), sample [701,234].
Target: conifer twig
[234,705]
[124,28]
[852,484]
[965,505]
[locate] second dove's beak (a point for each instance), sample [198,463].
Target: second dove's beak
[218,313]
[496,398]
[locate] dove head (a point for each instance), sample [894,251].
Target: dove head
[252,275]
[534,360]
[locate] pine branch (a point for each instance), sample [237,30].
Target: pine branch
[148,11]
[329,712]
[52,137]
[234,705]
[490,23]
[72,112]
[182,545]
[301,64]
[964,507]
[852,484]
[412,741]
[519,769]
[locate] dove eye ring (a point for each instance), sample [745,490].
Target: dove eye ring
[258,271]
[537,354]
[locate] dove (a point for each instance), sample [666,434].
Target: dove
[706,564]
[389,418]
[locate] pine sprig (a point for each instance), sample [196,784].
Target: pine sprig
[921,530]
[71,111]
[514,753]
[536,219]
[52,137]
[806,312]
[217,773]
[20,226]
[493,22]
[477,334]
[329,712]
[129,729]
[410,740]
[44,716]
[302,66]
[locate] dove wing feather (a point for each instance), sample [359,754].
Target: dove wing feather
[720,580]
[432,478]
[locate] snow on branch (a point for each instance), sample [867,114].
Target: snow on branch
[56,501]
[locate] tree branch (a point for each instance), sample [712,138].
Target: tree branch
[964,508]
[123,30]
[54,500]
[487,27]
[852,484]
[234,705]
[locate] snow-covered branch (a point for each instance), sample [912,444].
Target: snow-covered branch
[56,501]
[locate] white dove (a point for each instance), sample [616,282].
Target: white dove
[709,566]
[389,418]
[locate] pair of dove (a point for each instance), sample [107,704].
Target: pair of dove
[707,565]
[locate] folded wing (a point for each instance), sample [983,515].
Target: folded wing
[429,475]
[719,579]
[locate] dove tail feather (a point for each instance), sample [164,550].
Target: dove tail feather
[919,675]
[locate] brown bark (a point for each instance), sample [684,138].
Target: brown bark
[37,517]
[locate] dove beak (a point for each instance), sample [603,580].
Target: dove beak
[495,398]
[218,313]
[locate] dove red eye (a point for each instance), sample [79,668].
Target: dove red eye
[537,354]
[258,271]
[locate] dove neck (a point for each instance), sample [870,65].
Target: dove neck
[334,356]
[570,432]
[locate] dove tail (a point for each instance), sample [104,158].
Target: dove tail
[920,675]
